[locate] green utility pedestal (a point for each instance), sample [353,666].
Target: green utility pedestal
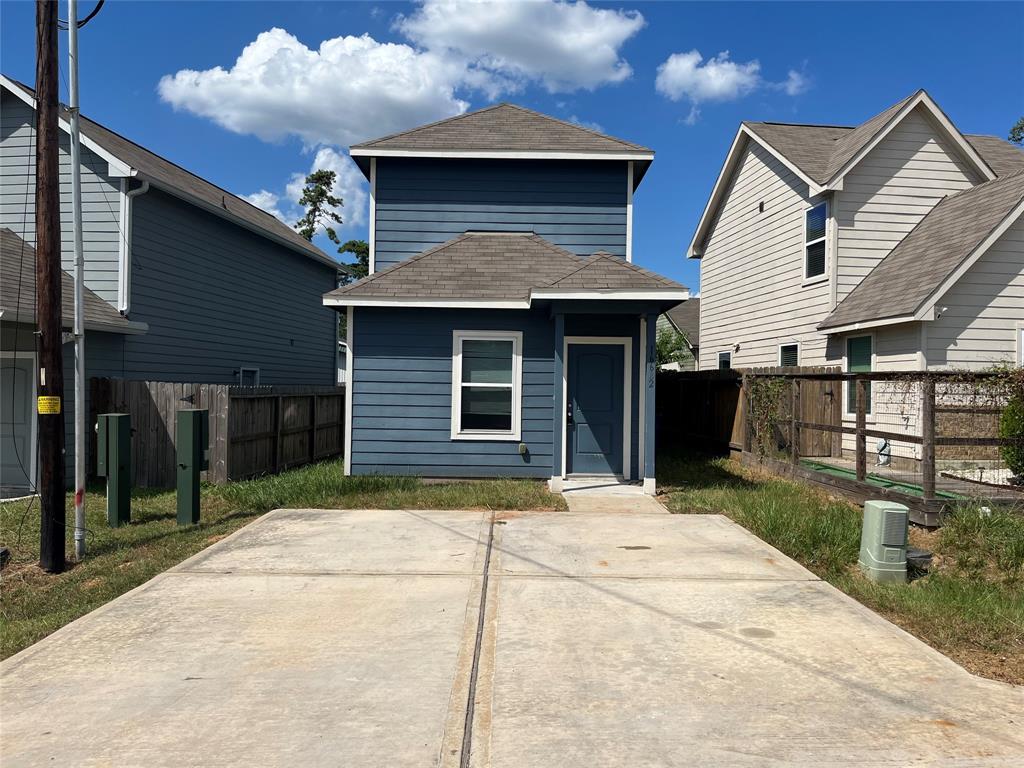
[114,462]
[193,458]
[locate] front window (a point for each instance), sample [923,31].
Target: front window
[858,360]
[249,377]
[724,361]
[486,385]
[814,241]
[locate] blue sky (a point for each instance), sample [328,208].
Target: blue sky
[836,63]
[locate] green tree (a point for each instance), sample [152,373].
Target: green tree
[319,203]
[670,347]
[360,249]
[1017,132]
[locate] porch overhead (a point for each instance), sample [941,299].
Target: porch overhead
[503,270]
[18,292]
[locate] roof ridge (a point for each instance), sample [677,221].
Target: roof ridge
[799,125]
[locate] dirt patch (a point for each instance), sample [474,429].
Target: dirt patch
[93,583]
[214,539]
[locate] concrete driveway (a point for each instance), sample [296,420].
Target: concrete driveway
[320,638]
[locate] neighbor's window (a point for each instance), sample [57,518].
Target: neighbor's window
[789,355]
[858,360]
[486,385]
[724,361]
[814,241]
[249,377]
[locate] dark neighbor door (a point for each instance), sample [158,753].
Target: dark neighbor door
[594,418]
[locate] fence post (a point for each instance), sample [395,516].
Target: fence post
[312,428]
[794,423]
[862,407]
[278,416]
[748,441]
[928,438]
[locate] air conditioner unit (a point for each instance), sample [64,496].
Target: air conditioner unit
[883,541]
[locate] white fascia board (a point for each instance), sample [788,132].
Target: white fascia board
[743,134]
[614,294]
[927,309]
[117,167]
[542,293]
[500,154]
[330,301]
[922,99]
[870,324]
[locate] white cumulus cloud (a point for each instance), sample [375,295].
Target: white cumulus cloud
[564,46]
[717,79]
[689,76]
[348,89]
[349,185]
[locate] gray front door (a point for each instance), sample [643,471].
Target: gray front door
[594,415]
[17,425]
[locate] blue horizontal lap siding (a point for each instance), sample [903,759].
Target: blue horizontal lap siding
[401,395]
[218,297]
[420,203]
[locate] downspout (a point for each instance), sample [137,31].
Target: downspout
[124,287]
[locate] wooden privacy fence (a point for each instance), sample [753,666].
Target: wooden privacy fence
[933,435]
[706,407]
[253,430]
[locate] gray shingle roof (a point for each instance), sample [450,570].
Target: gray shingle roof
[930,253]
[686,317]
[18,290]
[503,127]
[820,151]
[173,178]
[499,266]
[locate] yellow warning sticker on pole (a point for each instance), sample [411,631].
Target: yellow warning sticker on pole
[48,404]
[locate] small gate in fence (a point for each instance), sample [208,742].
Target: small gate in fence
[253,430]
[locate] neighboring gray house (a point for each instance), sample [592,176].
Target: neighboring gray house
[503,330]
[683,320]
[208,288]
[896,244]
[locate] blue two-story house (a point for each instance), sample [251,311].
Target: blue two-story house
[503,330]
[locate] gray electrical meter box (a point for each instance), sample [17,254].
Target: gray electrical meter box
[883,541]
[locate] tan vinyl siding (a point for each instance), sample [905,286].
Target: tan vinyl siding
[894,407]
[100,198]
[752,270]
[889,192]
[982,311]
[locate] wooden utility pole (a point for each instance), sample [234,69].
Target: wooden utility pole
[48,299]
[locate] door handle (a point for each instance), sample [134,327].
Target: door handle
[568,415]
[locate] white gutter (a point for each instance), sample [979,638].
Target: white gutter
[124,247]
[538,294]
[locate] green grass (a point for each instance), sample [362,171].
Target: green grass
[970,605]
[33,603]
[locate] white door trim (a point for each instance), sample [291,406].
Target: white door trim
[627,395]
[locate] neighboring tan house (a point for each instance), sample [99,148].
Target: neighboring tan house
[683,321]
[893,245]
[185,281]
[502,330]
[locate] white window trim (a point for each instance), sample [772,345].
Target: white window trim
[516,337]
[869,416]
[824,276]
[789,344]
[718,359]
[627,397]
[241,375]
